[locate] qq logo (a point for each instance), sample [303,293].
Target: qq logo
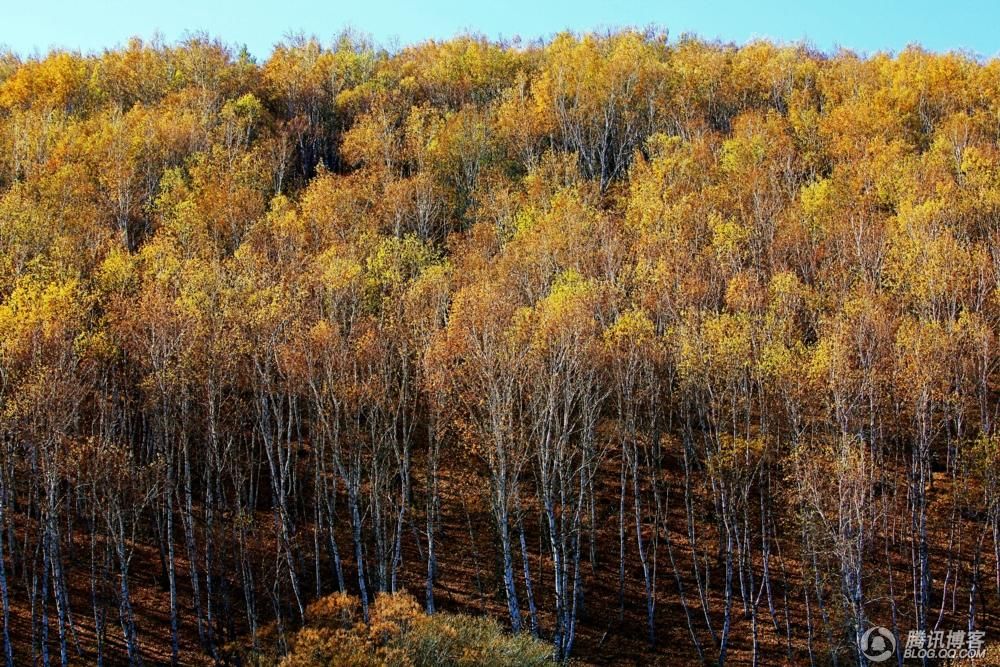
[878,644]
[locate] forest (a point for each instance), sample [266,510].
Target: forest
[642,347]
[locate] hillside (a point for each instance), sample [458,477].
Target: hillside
[654,349]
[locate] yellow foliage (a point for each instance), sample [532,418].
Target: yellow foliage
[400,633]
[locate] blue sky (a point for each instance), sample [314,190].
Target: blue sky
[865,26]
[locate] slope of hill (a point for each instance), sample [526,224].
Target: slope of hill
[657,349]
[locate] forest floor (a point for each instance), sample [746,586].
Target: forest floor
[612,628]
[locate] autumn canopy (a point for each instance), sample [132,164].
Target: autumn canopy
[648,347]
